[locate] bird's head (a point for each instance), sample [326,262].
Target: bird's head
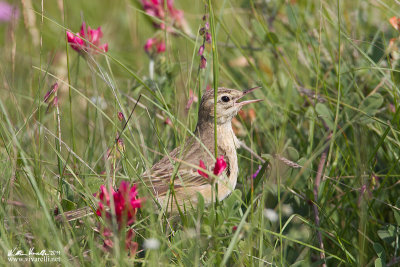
[228,104]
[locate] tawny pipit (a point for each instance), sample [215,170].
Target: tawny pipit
[188,181]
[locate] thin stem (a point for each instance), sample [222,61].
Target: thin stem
[248,149]
[151,69]
[317,183]
[215,72]
[338,87]
[215,80]
[69,86]
[58,146]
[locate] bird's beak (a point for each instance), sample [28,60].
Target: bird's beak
[245,92]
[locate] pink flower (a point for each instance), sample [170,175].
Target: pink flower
[51,97]
[149,44]
[108,243]
[105,198]
[220,165]
[155,8]
[395,22]
[126,203]
[208,37]
[168,121]
[201,50]
[161,47]
[55,101]
[51,93]
[203,62]
[176,14]
[75,41]
[120,116]
[256,173]
[8,12]
[120,144]
[130,245]
[202,166]
[153,45]
[392,108]
[92,40]
[192,98]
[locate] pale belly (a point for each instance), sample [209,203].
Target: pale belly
[226,184]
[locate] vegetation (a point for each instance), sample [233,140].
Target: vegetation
[329,126]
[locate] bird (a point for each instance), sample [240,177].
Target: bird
[188,181]
[201,146]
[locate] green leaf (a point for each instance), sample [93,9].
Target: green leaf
[235,238]
[306,171]
[200,204]
[379,263]
[67,205]
[388,234]
[257,179]
[378,50]
[258,29]
[371,104]
[380,251]
[292,153]
[292,12]
[232,203]
[94,183]
[267,157]
[271,38]
[299,263]
[321,189]
[397,212]
[325,113]
[211,215]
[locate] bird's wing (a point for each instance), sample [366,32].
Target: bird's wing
[159,177]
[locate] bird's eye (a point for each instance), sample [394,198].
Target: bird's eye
[225,98]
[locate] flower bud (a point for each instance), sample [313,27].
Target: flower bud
[208,37]
[220,165]
[201,50]
[49,97]
[149,44]
[120,116]
[161,47]
[203,62]
[202,31]
[120,145]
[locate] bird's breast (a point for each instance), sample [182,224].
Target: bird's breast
[228,143]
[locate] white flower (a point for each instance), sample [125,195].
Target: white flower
[99,101]
[270,214]
[191,233]
[287,209]
[151,244]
